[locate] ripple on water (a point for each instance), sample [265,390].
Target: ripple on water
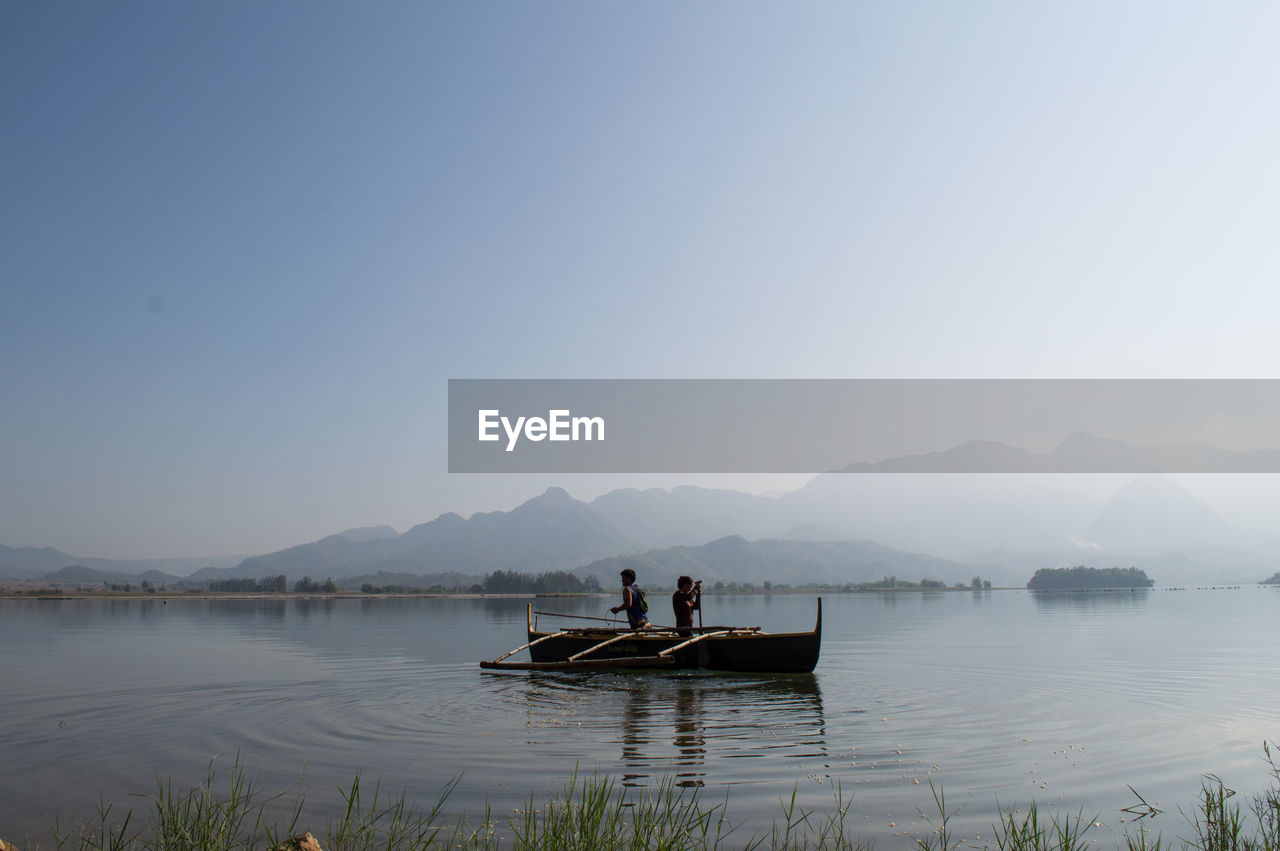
[1002,697]
[648,724]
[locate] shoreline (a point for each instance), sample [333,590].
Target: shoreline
[600,811]
[47,593]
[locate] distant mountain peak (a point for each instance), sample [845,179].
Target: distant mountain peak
[1153,513]
[1082,441]
[552,499]
[1079,453]
[970,456]
[1161,485]
[77,573]
[728,541]
[369,533]
[551,531]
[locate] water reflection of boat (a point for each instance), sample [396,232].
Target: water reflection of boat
[677,725]
[715,648]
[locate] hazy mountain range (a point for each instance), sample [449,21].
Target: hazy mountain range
[32,562]
[838,528]
[735,559]
[1079,453]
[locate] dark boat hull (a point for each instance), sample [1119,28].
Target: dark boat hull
[776,654]
[747,651]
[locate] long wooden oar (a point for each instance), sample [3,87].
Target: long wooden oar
[576,617]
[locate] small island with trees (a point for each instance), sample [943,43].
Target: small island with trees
[1081,578]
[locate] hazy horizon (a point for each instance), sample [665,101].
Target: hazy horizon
[1230,496]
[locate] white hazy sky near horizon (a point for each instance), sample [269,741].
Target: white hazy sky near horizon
[245,245]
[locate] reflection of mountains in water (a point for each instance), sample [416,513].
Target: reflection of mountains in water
[679,724]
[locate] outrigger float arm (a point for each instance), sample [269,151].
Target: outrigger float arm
[593,648]
[623,662]
[527,646]
[670,650]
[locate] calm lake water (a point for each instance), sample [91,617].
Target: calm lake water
[1002,696]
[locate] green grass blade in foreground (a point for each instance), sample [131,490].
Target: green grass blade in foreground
[1026,833]
[597,812]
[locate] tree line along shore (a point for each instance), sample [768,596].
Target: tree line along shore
[497,584]
[564,583]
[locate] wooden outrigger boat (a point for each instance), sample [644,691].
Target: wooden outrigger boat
[715,648]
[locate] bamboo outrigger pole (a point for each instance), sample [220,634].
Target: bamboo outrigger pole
[694,640]
[527,646]
[619,662]
[576,656]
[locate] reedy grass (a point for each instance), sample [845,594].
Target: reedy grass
[105,834]
[394,825]
[801,827]
[1026,833]
[941,837]
[597,812]
[1219,824]
[587,813]
[195,819]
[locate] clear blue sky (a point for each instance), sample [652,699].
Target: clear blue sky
[244,245]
